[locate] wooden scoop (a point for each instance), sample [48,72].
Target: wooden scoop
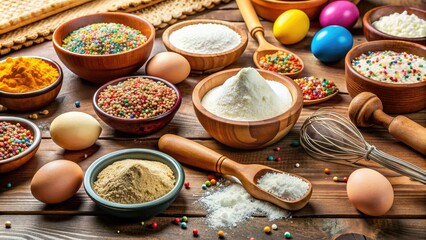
[257,32]
[194,154]
[366,109]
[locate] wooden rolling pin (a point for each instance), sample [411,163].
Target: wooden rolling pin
[366,109]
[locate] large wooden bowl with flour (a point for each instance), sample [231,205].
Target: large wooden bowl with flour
[247,134]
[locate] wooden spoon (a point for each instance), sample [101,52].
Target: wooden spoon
[257,32]
[194,154]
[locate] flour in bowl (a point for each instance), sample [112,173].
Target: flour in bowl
[247,96]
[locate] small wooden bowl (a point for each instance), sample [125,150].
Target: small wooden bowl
[207,63]
[137,126]
[37,99]
[396,98]
[14,162]
[246,134]
[271,9]
[371,33]
[103,68]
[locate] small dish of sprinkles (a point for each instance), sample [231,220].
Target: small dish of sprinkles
[137,98]
[316,90]
[103,39]
[14,139]
[391,67]
[280,62]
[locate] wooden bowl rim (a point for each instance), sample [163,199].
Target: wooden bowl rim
[177,26]
[35,131]
[149,39]
[197,101]
[137,120]
[382,43]
[41,91]
[367,21]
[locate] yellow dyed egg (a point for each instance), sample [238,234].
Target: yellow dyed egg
[75,130]
[169,66]
[291,26]
[56,181]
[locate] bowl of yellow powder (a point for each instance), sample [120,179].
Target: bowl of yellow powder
[29,82]
[134,183]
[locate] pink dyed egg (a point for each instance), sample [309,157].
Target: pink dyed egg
[342,13]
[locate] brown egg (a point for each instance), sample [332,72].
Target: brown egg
[370,192]
[169,66]
[56,181]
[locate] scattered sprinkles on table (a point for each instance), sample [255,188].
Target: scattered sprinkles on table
[8,224]
[391,67]
[315,88]
[103,39]
[14,139]
[280,62]
[137,98]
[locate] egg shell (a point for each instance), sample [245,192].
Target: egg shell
[169,66]
[291,26]
[342,13]
[370,192]
[56,181]
[332,43]
[75,130]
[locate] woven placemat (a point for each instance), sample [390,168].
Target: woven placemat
[159,12]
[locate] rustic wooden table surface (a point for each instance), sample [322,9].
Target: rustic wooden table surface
[328,215]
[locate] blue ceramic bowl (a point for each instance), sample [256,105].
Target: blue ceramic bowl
[140,210]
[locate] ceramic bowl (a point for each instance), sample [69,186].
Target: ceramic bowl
[207,63]
[16,161]
[396,98]
[36,99]
[246,134]
[371,33]
[137,126]
[102,68]
[139,210]
[271,9]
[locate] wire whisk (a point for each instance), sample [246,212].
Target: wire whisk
[330,135]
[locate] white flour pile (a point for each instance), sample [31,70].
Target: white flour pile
[283,185]
[232,204]
[247,96]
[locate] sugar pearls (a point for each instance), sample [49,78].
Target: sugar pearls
[137,98]
[14,139]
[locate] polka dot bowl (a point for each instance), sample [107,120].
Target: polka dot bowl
[137,126]
[12,163]
[396,98]
[103,68]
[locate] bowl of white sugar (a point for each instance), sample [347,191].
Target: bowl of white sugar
[247,108]
[395,23]
[208,45]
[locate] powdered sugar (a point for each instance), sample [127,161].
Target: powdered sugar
[283,185]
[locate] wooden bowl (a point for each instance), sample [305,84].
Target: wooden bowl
[207,63]
[371,33]
[103,68]
[246,134]
[396,98]
[271,9]
[137,126]
[29,101]
[14,162]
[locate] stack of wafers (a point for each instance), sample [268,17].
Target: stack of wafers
[27,22]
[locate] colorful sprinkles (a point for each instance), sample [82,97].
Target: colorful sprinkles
[391,67]
[281,62]
[14,139]
[103,39]
[137,98]
[315,88]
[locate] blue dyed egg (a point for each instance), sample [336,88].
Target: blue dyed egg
[330,44]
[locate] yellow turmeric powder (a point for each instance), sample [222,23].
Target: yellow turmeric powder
[25,74]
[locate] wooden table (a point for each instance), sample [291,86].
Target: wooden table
[328,215]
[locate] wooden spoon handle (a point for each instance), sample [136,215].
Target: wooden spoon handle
[191,153]
[250,17]
[409,132]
